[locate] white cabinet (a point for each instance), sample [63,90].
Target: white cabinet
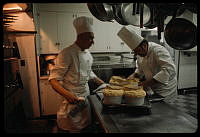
[66,31]
[63,7]
[48,32]
[115,43]
[56,31]
[50,99]
[101,36]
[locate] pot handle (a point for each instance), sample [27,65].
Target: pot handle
[141,14]
[134,6]
[138,8]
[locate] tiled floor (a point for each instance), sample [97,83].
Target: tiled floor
[186,103]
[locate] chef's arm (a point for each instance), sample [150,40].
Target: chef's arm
[95,79]
[98,81]
[138,72]
[148,83]
[167,67]
[71,98]
[134,75]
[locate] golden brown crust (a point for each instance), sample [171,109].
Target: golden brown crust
[114,87]
[112,92]
[135,93]
[120,86]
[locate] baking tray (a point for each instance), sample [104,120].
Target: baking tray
[144,109]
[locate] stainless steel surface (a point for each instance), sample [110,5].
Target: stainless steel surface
[134,19]
[118,14]
[101,11]
[164,119]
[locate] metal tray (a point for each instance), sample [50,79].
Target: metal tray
[144,109]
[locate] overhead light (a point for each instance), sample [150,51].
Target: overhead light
[14,6]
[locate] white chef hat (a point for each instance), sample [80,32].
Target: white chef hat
[83,24]
[130,37]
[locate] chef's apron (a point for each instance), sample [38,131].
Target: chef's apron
[82,118]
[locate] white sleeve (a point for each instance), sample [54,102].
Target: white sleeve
[167,66]
[62,64]
[92,75]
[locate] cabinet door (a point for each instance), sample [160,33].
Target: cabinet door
[100,36]
[115,43]
[48,33]
[50,99]
[66,30]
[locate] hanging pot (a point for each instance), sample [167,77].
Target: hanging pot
[152,22]
[180,34]
[131,13]
[101,11]
[118,16]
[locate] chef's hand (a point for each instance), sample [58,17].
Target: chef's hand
[81,99]
[104,85]
[72,99]
[134,75]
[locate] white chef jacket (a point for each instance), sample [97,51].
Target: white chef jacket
[73,70]
[159,65]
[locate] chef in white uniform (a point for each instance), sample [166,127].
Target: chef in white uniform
[69,77]
[154,62]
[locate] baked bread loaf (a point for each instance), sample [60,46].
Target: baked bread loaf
[138,93]
[117,80]
[114,87]
[113,92]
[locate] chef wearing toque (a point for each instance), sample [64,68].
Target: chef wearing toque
[154,63]
[69,77]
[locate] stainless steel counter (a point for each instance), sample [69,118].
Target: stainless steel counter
[164,119]
[113,64]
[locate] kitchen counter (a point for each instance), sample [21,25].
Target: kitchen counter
[164,119]
[113,64]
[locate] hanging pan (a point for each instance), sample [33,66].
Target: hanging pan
[131,13]
[117,14]
[180,33]
[101,11]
